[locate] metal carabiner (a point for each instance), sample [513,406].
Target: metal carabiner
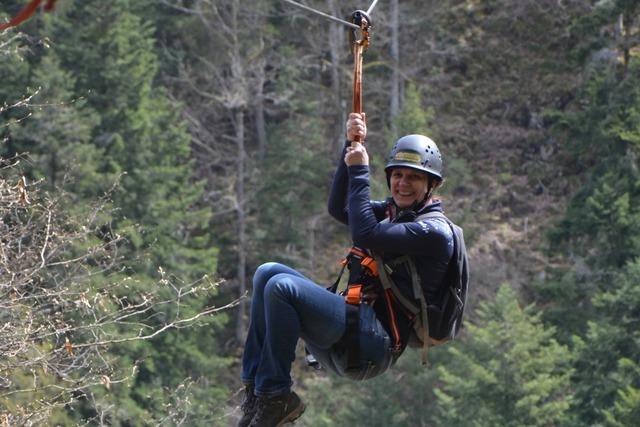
[363,21]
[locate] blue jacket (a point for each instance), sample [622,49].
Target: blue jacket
[430,240]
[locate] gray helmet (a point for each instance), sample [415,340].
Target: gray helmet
[416,152]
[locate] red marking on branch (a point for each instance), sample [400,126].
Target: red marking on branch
[26,13]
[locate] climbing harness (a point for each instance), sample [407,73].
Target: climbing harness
[26,13]
[363,288]
[434,322]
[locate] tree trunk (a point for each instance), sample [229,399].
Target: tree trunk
[261,131]
[394,108]
[337,48]
[242,224]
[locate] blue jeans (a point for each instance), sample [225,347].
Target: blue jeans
[287,306]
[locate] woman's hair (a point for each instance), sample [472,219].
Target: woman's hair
[434,183]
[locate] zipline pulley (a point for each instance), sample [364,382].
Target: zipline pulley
[360,25]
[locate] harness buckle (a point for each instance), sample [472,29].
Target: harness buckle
[353,294]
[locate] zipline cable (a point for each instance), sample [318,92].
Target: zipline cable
[360,25]
[324,15]
[371,7]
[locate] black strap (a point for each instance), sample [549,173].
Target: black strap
[349,343]
[352,337]
[334,288]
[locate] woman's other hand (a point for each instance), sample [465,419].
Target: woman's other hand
[356,155]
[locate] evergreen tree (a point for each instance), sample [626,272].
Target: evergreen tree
[292,187]
[607,375]
[601,227]
[402,396]
[106,121]
[143,139]
[58,132]
[510,372]
[602,223]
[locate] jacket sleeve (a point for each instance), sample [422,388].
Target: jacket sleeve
[430,236]
[337,204]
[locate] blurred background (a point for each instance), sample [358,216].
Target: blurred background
[155,152]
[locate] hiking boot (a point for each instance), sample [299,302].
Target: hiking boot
[249,406]
[277,410]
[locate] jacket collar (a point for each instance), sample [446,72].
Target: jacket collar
[411,213]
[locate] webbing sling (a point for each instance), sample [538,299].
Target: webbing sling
[350,340]
[351,337]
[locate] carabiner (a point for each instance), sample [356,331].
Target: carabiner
[363,21]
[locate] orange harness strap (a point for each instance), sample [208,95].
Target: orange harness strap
[353,293]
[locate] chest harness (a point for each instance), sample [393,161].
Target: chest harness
[369,280]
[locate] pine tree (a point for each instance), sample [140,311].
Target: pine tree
[509,372]
[107,123]
[607,375]
[601,227]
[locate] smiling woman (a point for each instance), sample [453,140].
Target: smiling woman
[408,186]
[404,247]
[414,170]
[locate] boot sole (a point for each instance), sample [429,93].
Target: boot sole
[293,415]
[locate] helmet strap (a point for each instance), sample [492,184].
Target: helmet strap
[407,214]
[433,183]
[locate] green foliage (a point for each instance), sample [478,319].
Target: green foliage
[596,299]
[102,115]
[595,30]
[626,411]
[414,117]
[510,372]
[568,305]
[607,375]
[62,147]
[291,186]
[603,220]
[402,396]
[100,119]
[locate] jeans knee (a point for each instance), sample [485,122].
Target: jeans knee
[265,270]
[263,274]
[279,286]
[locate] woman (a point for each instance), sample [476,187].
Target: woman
[287,306]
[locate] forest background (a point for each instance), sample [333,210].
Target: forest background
[155,152]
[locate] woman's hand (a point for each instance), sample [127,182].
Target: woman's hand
[356,126]
[356,155]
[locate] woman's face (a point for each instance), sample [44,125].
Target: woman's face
[408,186]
